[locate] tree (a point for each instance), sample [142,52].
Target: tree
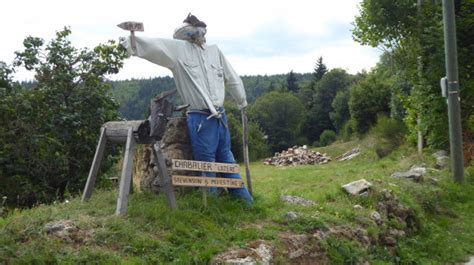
[413,36]
[326,89]
[291,82]
[320,70]
[340,113]
[280,115]
[48,133]
[367,99]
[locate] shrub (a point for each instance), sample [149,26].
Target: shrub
[347,130]
[327,137]
[390,134]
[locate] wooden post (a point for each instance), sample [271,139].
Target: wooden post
[99,153]
[126,177]
[167,185]
[245,140]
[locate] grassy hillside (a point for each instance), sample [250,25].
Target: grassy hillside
[441,229]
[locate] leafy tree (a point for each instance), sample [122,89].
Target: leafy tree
[367,99]
[280,115]
[413,36]
[340,113]
[318,118]
[320,70]
[291,82]
[48,133]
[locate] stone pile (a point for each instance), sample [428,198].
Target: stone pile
[297,156]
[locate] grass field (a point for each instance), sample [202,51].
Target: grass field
[193,234]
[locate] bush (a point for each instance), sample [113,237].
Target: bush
[390,134]
[347,130]
[327,137]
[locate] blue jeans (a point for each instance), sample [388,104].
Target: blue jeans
[210,141]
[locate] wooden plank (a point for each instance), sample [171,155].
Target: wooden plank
[132,25]
[192,165]
[167,185]
[99,153]
[207,182]
[126,178]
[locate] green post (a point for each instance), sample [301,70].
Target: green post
[454,113]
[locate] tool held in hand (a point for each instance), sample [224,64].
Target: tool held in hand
[132,27]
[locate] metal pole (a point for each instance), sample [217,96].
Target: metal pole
[454,112]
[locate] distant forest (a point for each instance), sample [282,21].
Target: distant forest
[134,95]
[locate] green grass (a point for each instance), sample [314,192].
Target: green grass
[193,234]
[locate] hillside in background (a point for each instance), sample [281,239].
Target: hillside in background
[134,95]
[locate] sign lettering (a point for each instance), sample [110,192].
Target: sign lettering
[133,26]
[207,182]
[192,165]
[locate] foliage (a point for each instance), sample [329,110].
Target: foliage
[48,133]
[291,84]
[325,91]
[413,37]
[340,114]
[385,23]
[134,95]
[280,115]
[257,143]
[367,99]
[327,137]
[389,133]
[319,70]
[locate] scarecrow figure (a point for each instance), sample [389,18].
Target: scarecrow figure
[201,73]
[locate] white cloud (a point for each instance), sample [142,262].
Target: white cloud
[258,36]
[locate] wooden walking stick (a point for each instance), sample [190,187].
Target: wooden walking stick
[245,141]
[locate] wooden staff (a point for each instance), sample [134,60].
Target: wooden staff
[245,140]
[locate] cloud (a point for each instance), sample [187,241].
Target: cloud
[257,36]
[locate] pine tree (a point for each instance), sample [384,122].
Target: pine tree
[319,70]
[291,82]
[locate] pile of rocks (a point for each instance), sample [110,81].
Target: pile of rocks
[297,156]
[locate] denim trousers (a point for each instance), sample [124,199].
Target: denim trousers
[210,141]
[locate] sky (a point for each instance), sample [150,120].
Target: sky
[258,37]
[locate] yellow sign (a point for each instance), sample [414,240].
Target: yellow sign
[207,182]
[192,165]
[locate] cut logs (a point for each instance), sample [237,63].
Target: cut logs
[297,156]
[116,131]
